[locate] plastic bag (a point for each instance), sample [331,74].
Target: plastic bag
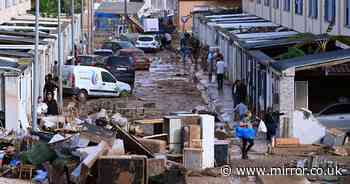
[262,127]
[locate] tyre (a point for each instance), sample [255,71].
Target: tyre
[124,93]
[82,95]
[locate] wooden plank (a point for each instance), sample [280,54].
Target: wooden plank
[150,121]
[287,141]
[132,145]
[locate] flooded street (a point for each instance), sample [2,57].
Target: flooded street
[164,85]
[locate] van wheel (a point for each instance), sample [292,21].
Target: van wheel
[124,93]
[82,95]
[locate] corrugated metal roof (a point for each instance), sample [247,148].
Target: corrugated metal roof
[118,7]
[234,18]
[314,59]
[226,15]
[266,35]
[247,25]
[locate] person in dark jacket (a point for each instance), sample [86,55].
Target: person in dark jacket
[49,86]
[271,122]
[239,92]
[52,108]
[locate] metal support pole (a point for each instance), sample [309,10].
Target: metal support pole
[92,26]
[60,60]
[125,14]
[73,31]
[34,69]
[82,38]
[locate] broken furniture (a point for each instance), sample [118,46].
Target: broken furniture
[199,135]
[222,152]
[26,171]
[149,126]
[124,169]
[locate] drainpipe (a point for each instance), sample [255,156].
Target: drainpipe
[73,44]
[34,69]
[60,60]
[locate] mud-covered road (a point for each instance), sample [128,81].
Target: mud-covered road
[164,84]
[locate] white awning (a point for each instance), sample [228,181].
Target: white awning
[227,15]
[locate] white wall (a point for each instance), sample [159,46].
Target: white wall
[13,9]
[301,23]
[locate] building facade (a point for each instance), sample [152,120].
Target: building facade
[314,16]
[12,8]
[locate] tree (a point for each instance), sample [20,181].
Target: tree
[48,8]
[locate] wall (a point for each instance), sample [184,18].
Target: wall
[13,9]
[302,23]
[186,6]
[286,98]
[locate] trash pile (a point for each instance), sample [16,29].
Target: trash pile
[104,147]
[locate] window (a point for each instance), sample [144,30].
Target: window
[347,12]
[106,77]
[329,8]
[337,109]
[267,2]
[313,8]
[276,4]
[286,5]
[8,3]
[299,7]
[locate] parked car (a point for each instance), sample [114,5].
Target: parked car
[141,62]
[116,45]
[122,67]
[92,81]
[90,60]
[103,52]
[148,42]
[335,116]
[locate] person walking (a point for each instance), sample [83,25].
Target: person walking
[271,122]
[241,109]
[247,134]
[168,39]
[220,70]
[210,59]
[239,92]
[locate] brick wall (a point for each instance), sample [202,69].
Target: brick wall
[287,99]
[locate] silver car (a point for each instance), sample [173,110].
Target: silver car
[335,116]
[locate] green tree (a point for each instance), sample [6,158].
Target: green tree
[48,8]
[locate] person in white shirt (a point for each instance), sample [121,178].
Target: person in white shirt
[220,70]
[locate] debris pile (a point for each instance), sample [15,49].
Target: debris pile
[103,147]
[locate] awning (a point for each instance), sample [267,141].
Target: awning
[313,61]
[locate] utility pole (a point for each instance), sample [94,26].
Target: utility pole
[73,31]
[92,26]
[82,36]
[125,14]
[34,69]
[60,60]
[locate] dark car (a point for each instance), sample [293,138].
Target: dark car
[90,60]
[116,45]
[141,62]
[103,52]
[122,68]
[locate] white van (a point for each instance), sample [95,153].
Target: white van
[91,81]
